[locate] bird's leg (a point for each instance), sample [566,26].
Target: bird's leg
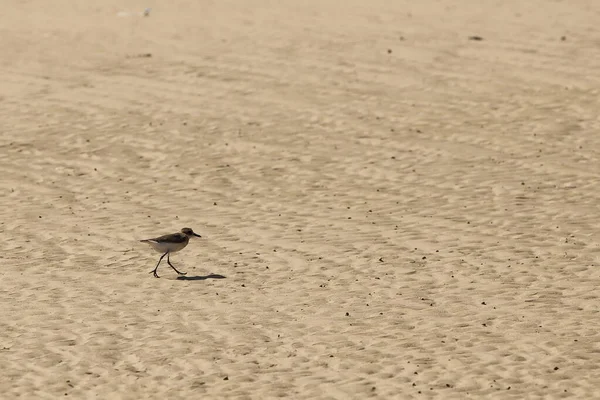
[180,273]
[156,268]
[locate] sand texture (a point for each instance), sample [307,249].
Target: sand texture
[389,208]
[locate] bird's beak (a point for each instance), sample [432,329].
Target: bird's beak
[195,234]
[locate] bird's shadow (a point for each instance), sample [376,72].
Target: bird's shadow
[200,277]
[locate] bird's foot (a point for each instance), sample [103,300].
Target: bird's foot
[175,269]
[154,272]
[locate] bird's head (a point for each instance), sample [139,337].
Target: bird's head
[189,232]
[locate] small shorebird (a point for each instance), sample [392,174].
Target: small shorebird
[168,244]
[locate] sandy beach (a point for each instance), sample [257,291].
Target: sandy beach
[397,199]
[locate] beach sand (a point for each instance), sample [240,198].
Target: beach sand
[389,208]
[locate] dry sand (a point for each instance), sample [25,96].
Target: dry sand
[397,211]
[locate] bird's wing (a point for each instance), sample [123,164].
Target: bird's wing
[172,238]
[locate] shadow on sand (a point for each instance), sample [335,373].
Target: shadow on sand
[200,277]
